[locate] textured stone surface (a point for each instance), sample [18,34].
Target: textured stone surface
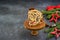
[12,16]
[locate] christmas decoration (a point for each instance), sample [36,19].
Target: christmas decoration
[58,6]
[52,13]
[53,30]
[56,32]
[55,17]
[52,7]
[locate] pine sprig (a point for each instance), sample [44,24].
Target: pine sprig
[50,35]
[49,30]
[49,13]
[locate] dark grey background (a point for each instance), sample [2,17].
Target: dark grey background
[12,16]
